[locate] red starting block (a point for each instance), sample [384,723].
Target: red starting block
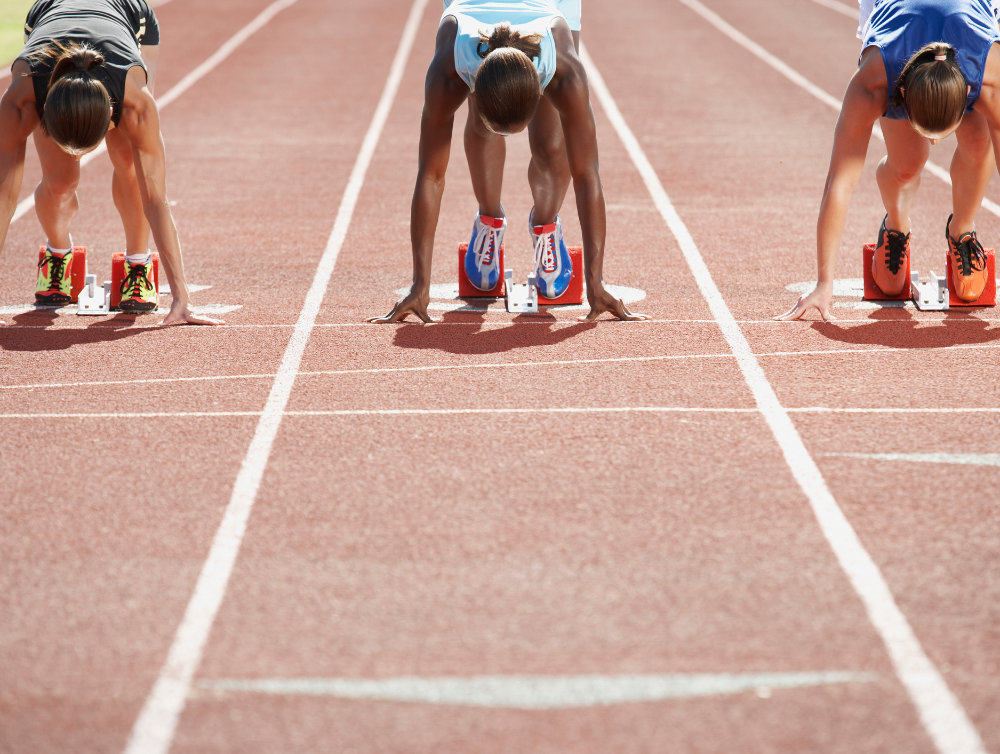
[118,276]
[78,273]
[872,291]
[574,293]
[467,289]
[989,295]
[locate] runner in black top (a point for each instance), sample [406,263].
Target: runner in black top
[86,75]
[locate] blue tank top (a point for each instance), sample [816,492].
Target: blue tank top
[900,28]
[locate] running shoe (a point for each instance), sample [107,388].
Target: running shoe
[54,278]
[482,258]
[889,262]
[553,267]
[138,292]
[969,274]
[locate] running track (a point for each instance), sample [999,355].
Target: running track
[418,502]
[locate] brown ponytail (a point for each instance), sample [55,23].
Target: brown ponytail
[507,84]
[77,105]
[934,93]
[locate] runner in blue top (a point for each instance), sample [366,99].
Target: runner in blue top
[516,63]
[928,68]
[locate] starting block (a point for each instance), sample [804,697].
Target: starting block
[78,273]
[872,291]
[989,295]
[467,289]
[118,276]
[94,300]
[930,296]
[520,299]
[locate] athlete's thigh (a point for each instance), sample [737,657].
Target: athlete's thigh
[973,135]
[545,132]
[60,170]
[908,150]
[119,150]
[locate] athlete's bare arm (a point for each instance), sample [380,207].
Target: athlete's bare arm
[865,101]
[18,118]
[140,122]
[444,93]
[569,93]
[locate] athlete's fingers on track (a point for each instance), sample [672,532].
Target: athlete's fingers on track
[617,308]
[802,307]
[399,313]
[188,317]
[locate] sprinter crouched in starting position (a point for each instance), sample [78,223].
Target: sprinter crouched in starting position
[928,69]
[516,62]
[86,75]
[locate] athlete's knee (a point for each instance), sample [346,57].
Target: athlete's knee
[549,151]
[61,187]
[975,142]
[903,173]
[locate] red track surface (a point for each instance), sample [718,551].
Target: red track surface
[545,543]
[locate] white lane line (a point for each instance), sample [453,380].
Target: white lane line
[509,365]
[181,86]
[841,8]
[154,730]
[527,410]
[799,80]
[968,318]
[534,692]
[964,459]
[396,412]
[860,410]
[941,713]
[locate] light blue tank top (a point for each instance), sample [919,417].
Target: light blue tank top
[525,16]
[900,28]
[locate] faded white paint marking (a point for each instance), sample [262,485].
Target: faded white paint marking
[969,459]
[15,309]
[528,692]
[154,730]
[940,711]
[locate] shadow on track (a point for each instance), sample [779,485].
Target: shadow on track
[473,340]
[36,337]
[896,328]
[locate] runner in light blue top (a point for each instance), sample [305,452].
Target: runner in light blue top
[928,69]
[516,63]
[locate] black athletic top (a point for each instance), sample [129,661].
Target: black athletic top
[114,27]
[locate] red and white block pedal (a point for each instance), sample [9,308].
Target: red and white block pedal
[872,291]
[94,300]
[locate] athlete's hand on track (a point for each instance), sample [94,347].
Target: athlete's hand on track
[819,299]
[415,303]
[601,301]
[183,314]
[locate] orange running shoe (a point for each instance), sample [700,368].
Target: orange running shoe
[54,279]
[889,262]
[138,293]
[968,264]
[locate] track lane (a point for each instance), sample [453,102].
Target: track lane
[734,278]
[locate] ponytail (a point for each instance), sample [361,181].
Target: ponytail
[503,36]
[77,105]
[932,89]
[507,84]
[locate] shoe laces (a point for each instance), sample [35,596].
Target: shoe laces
[487,246]
[545,252]
[57,268]
[969,252]
[895,250]
[136,280]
